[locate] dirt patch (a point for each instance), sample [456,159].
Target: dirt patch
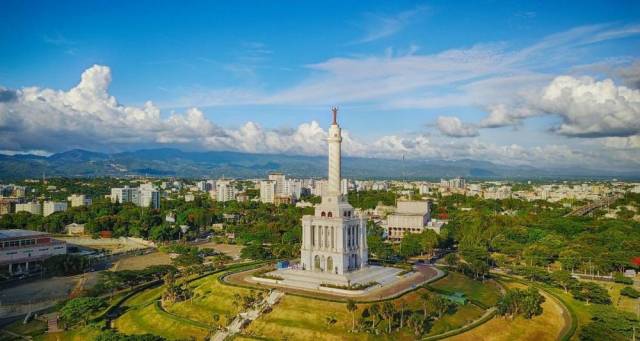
[142,261]
[230,250]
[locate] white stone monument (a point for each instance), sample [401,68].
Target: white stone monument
[334,240]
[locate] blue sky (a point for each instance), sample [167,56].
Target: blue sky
[435,79]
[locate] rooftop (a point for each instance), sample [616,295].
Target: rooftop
[16,233]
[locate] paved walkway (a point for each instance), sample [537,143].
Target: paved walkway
[244,318]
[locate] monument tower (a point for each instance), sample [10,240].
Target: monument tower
[334,239]
[333,252]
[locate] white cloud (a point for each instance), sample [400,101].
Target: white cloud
[452,126]
[630,75]
[501,115]
[87,116]
[380,26]
[591,108]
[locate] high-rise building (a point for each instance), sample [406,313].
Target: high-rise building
[33,207]
[267,191]
[79,200]
[146,195]
[225,190]
[280,179]
[51,207]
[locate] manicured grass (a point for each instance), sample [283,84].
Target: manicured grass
[485,292]
[462,316]
[583,311]
[146,319]
[210,297]
[78,334]
[620,302]
[32,328]
[298,318]
[547,326]
[144,297]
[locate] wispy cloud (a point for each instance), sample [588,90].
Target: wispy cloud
[378,26]
[58,39]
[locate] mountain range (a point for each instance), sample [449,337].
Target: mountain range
[166,162]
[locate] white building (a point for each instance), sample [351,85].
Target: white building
[33,207]
[50,207]
[267,191]
[145,196]
[409,217]
[334,239]
[79,200]
[74,229]
[279,179]
[225,190]
[423,189]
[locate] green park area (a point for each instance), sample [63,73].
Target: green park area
[486,293]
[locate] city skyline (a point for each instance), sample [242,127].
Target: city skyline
[513,84]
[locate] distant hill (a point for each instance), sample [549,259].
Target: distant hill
[166,162]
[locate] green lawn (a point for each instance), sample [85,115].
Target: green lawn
[78,334]
[463,315]
[485,292]
[298,318]
[210,297]
[144,297]
[146,319]
[547,326]
[32,328]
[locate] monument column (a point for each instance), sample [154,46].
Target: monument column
[334,140]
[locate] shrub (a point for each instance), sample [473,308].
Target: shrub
[630,292]
[620,278]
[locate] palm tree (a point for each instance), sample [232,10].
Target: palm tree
[352,307]
[374,310]
[216,320]
[425,297]
[331,320]
[403,306]
[387,311]
[416,323]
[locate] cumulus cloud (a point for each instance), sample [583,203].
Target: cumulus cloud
[87,116]
[453,127]
[630,75]
[501,115]
[591,108]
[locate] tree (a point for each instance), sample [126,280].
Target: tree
[403,306]
[410,245]
[352,307]
[440,305]
[388,311]
[562,278]
[216,319]
[527,303]
[416,323]
[330,320]
[590,292]
[429,241]
[80,309]
[452,260]
[425,297]
[630,292]
[374,310]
